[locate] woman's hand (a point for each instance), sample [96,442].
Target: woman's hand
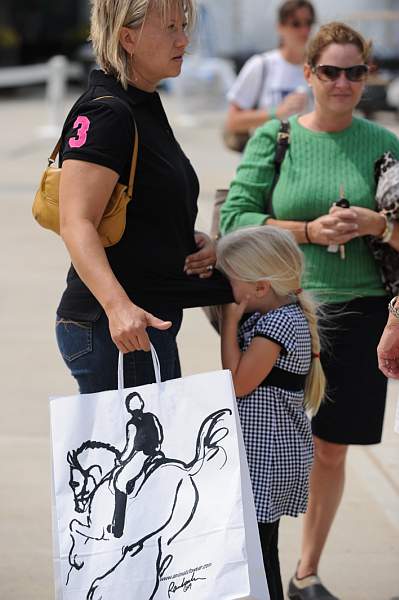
[338,227]
[343,224]
[369,222]
[128,326]
[202,262]
[388,349]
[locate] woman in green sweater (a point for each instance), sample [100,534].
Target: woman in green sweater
[331,154]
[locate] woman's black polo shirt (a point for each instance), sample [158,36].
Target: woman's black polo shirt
[148,261]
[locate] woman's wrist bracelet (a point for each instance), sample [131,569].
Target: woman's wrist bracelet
[391,307]
[386,235]
[309,241]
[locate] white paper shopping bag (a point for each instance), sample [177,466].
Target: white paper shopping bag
[152,494]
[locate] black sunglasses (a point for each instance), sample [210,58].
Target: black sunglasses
[332,73]
[298,24]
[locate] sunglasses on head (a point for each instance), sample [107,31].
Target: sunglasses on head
[332,73]
[296,24]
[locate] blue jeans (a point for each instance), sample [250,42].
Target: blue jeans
[92,357]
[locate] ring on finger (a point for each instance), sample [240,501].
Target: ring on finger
[209,268]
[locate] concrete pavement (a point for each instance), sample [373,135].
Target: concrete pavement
[361,561]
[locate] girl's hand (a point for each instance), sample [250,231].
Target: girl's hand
[369,222]
[233,312]
[202,262]
[338,227]
[128,327]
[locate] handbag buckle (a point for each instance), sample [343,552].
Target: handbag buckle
[283,137]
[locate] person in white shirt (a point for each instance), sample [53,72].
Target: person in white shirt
[272,84]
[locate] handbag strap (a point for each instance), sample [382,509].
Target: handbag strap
[133,165]
[283,142]
[54,153]
[134,161]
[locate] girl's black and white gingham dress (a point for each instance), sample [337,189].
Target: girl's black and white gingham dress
[277,432]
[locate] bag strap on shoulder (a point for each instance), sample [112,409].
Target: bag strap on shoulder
[136,143]
[53,155]
[57,147]
[283,142]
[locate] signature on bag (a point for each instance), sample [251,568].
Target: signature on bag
[185,586]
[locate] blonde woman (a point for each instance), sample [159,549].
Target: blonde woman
[277,375]
[122,297]
[331,153]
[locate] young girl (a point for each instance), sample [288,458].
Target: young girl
[274,361]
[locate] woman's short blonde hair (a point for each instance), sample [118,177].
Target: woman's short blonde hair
[109,16]
[336,33]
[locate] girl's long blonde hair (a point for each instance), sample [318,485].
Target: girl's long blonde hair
[109,16]
[272,254]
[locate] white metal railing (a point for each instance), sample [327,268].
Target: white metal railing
[54,74]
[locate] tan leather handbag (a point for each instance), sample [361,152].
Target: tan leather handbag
[235,141]
[45,207]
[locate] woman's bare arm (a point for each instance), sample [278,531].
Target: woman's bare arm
[85,189]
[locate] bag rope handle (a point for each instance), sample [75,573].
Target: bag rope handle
[155,363]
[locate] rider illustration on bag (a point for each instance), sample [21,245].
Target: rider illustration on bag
[144,436]
[105,481]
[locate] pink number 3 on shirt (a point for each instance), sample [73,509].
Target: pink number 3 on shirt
[82,124]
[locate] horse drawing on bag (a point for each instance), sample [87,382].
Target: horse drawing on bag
[112,489]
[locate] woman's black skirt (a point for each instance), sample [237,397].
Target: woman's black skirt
[353,413]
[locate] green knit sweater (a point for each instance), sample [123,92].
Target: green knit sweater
[315,166]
